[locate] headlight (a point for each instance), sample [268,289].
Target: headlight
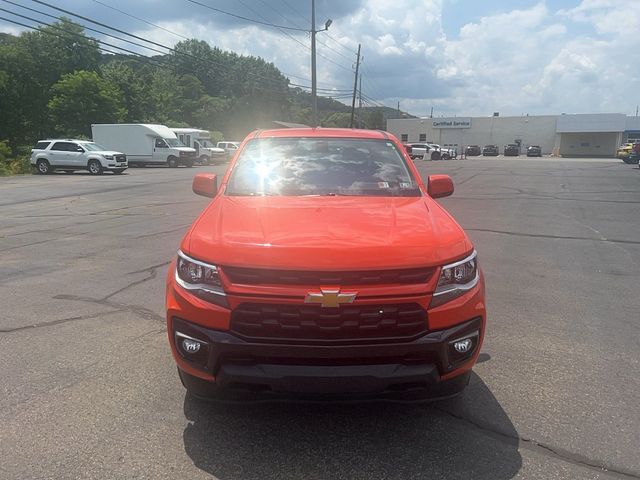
[456,279]
[201,279]
[108,157]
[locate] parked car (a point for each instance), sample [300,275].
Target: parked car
[534,151]
[409,150]
[229,147]
[472,150]
[511,150]
[283,286]
[70,155]
[423,151]
[624,151]
[634,156]
[445,153]
[200,141]
[145,144]
[490,151]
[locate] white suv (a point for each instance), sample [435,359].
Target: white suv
[72,155]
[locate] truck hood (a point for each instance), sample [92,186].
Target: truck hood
[343,233]
[106,152]
[214,149]
[185,149]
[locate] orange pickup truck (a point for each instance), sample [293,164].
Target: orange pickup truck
[323,267]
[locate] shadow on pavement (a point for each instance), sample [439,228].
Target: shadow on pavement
[373,440]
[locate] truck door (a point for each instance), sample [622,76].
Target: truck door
[75,155]
[160,150]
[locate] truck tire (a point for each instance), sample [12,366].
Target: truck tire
[94,167]
[204,160]
[172,162]
[43,167]
[435,156]
[188,163]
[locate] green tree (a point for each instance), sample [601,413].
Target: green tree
[82,98]
[33,62]
[339,120]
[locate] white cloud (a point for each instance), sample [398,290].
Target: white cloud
[529,60]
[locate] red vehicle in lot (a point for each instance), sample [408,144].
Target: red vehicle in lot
[324,267]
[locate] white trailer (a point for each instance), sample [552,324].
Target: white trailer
[200,140]
[144,144]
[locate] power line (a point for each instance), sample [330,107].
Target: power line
[279,27]
[319,41]
[173,50]
[246,18]
[84,26]
[137,56]
[141,19]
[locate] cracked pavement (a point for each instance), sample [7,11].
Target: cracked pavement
[90,389]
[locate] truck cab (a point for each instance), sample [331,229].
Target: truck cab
[200,141]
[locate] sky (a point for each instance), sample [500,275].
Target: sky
[459,57]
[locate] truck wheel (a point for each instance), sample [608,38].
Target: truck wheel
[95,168]
[204,160]
[188,163]
[446,157]
[172,162]
[43,167]
[435,156]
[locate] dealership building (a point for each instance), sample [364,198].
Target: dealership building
[575,135]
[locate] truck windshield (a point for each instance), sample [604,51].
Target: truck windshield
[322,166]
[174,142]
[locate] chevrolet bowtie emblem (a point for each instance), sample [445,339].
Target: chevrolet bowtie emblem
[330,297]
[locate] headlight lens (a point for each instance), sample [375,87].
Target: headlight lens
[108,157]
[456,279]
[201,279]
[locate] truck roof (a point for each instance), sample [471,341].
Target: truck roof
[155,129]
[321,132]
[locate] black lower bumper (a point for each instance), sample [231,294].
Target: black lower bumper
[303,369]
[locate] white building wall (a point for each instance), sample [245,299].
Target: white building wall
[501,131]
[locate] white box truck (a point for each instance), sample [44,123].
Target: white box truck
[144,144]
[200,140]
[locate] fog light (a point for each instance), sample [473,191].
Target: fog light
[190,346]
[462,346]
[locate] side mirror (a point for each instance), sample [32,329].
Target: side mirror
[80,149]
[205,184]
[439,186]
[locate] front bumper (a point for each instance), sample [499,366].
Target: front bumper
[283,368]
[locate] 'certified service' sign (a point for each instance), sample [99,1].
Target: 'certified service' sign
[455,122]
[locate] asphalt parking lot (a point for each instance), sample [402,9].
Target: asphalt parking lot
[89,389]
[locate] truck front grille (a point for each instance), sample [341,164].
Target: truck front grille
[315,324]
[258,276]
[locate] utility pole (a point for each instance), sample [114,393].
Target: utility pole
[314,89]
[314,92]
[431,115]
[360,121]
[355,88]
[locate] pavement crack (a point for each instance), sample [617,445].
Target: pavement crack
[559,237]
[153,234]
[543,449]
[138,310]
[59,321]
[152,272]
